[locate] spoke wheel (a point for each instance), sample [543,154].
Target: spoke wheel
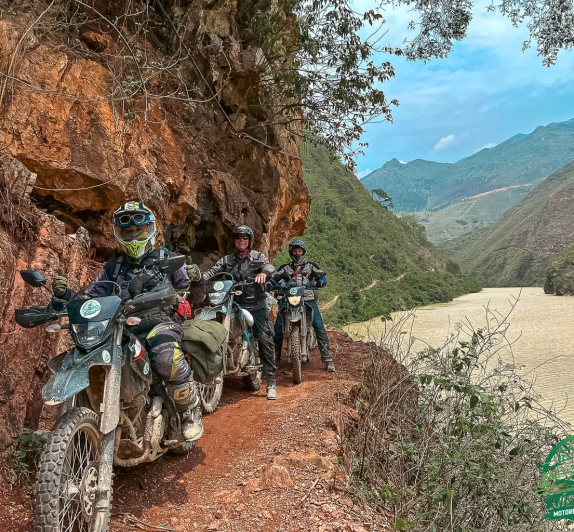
[66,492]
[296,354]
[210,394]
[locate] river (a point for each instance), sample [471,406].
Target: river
[541,326]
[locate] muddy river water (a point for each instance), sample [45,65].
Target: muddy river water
[541,327]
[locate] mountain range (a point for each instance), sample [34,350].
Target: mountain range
[524,159]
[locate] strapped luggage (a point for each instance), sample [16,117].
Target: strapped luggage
[205,342]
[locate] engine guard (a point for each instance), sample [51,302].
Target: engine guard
[71,372]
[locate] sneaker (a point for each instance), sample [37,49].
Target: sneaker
[192,426]
[330,367]
[271,389]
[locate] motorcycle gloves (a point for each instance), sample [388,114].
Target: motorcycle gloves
[60,287]
[193,273]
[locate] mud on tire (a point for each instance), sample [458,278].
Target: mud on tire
[210,394]
[65,496]
[296,354]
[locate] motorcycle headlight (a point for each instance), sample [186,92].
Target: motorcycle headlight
[294,300]
[215,298]
[90,333]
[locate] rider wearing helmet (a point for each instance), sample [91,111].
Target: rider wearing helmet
[240,265]
[135,231]
[304,273]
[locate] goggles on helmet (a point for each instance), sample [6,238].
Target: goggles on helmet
[136,218]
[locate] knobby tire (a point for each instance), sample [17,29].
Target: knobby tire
[296,354]
[66,490]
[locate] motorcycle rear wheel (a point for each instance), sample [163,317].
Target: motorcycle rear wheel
[67,487]
[210,394]
[296,354]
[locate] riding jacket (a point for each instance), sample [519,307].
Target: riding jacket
[304,274]
[253,296]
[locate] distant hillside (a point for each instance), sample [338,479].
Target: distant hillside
[517,249]
[465,215]
[376,262]
[520,160]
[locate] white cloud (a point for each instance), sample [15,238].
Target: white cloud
[489,145]
[444,143]
[364,173]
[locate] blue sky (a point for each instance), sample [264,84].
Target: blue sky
[486,91]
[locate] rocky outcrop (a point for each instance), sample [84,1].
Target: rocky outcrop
[30,239]
[169,110]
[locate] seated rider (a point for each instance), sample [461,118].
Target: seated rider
[301,272]
[253,298]
[135,231]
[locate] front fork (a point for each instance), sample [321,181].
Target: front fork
[288,324]
[110,417]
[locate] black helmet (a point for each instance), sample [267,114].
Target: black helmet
[297,244]
[244,230]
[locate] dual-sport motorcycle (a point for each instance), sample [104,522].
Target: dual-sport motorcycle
[297,318]
[114,409]
[242,356]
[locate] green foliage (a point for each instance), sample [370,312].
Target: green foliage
[358,242]
[326,73]
[560,273]
[28,449]
[458,438]
[382,197]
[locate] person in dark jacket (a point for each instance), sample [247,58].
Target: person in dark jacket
[239,265]
[301,272]
[135,232]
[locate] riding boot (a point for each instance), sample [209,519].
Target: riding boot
[271,389]
[187,405]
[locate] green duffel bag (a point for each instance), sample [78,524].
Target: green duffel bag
[205,342]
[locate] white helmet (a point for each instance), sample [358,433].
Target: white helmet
[133,243]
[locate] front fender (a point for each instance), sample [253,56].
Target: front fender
[71,372]
[295,313]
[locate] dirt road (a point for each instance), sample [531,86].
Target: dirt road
[261,465]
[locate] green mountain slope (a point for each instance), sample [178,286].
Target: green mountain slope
[467,214]
[376,262]
[520,160]
[517,249]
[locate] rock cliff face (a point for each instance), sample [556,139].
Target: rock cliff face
[100,107]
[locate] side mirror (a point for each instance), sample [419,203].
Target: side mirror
[171,264]
[33,278]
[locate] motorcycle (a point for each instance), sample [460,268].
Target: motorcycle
[114,409]
[241,358]
[296,322]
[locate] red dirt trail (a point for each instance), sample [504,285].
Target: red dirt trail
[260,465]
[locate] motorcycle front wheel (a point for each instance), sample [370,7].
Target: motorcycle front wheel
[67,487]
[210,394]
[296,354]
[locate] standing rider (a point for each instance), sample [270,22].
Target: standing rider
[253,299]
[135,232]
[303,273]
